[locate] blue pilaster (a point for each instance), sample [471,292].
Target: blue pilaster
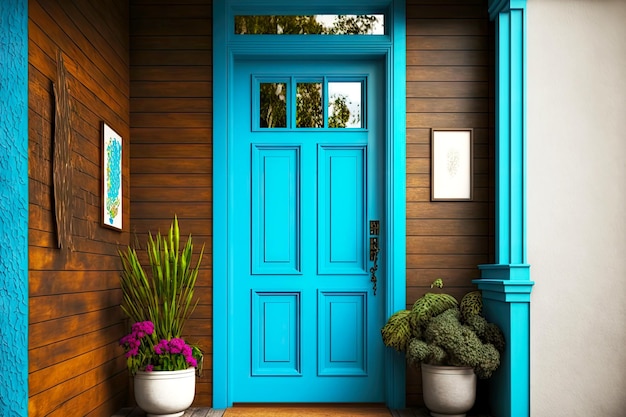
[14,207]
[506,285]
[396,200]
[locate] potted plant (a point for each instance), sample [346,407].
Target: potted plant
[159,303]
[453,343]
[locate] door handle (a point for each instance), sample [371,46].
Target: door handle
[374,249]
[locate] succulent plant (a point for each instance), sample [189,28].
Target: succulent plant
[440,331]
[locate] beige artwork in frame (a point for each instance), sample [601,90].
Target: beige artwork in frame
[452,165]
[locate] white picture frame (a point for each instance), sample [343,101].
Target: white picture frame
[112,199]
[452,165]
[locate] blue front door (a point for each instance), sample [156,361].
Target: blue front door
[308,179]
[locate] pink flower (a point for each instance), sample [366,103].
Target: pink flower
[143,328]
[177,345]
[191,361]
[126,339]
[186,351]
[162,347]
[149,368]
[132,352]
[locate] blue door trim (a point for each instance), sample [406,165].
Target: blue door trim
[506,285]
[226,48]
[14,208]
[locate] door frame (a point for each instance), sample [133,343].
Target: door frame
[227,47]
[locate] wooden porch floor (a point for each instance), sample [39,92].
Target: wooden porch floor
[282,411]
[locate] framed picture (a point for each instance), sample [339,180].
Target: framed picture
[111,178]
[451,165]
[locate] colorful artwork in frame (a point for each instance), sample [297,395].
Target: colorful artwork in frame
[111,178]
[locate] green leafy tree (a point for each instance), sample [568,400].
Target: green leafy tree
[305,25]
[309,111]
[273,105]
[353,25]
[341,115]
[280,25]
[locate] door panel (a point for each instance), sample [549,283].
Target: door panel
[341,209]
[342,349]
[306,323]
[275,333]
[275,205]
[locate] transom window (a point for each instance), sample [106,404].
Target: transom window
[321,24]
[314,103]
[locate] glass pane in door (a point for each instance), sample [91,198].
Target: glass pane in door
[309,110]
[273,105]
[344,104]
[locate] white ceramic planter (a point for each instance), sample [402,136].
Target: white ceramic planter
[165,393]
[449,391]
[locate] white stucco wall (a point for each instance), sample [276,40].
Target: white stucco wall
[577,206]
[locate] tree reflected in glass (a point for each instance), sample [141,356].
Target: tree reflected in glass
[273,104]
[344,104]
[372,24]
[309,110]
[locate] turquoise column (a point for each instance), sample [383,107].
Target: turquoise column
[506,285]
[14,207]
[396,200]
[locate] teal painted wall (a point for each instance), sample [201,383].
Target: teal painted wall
[14,207]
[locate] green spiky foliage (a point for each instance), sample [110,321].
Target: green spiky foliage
[397,332]
[166,295]
[471,305]
[442,332]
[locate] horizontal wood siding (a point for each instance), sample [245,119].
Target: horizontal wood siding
[171,139]
[75,364]
[449,85]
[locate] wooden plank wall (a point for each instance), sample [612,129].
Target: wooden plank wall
[75,364]
[449,85]
[171,139]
